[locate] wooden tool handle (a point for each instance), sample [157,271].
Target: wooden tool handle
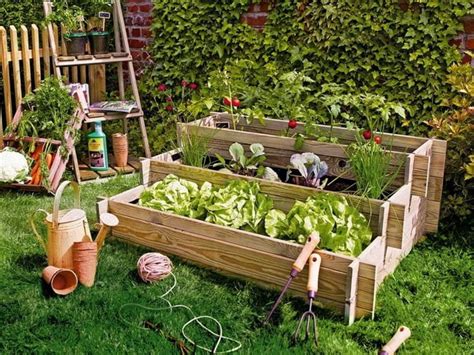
[311,243]
[313,275]
[402,334]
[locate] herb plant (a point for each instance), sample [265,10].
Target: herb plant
[47,112]
[370,164]
[194,147]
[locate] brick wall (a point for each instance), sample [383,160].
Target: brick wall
[138,18]
[257,14]
[466,40]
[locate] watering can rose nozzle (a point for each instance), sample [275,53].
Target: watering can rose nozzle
[107,221]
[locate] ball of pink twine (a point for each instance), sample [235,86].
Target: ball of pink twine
[154,267]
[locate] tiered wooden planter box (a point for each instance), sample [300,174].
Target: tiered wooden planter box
[347,284]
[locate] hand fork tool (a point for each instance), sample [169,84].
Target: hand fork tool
[309,316]
[298,265]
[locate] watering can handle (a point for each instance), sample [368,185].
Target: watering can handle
[35,230]
[57,198]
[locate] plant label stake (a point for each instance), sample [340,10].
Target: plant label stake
[312,287]
[298,266]
[104,16]
[402,334]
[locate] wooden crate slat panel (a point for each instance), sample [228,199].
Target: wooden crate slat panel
[239,260]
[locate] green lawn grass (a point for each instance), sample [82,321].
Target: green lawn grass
[431,292]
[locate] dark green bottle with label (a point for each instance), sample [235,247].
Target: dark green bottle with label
[97,146]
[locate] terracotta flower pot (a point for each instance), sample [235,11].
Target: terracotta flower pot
[120,147]
[61,281]
[85,262]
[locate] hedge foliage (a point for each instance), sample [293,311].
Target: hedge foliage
[368,46]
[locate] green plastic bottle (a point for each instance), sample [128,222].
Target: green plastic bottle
[97,146]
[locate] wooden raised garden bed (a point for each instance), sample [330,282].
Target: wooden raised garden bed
[419,161]
[347,284]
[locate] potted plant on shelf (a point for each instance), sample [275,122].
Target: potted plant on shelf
[71,18]
[98,13]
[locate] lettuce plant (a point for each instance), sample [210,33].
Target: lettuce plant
[342,228]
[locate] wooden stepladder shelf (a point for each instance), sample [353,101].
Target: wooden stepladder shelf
[67,61]
[119,57]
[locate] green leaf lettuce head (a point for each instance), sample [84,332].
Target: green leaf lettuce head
[180,196]
[240,204]
[342,228]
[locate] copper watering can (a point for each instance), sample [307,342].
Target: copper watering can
[65,227]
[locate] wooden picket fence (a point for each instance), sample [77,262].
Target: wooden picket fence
[23,66]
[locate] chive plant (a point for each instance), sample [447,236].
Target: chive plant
[370,163]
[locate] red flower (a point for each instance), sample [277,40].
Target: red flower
[169,108]
[184,83]
[162,87]
[169,99]
[193,86]
[292,124]
[378,139]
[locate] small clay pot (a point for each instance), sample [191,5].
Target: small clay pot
[84,256]
[61,281]
[120,147]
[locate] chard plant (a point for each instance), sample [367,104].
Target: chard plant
[311,168]
[249,166]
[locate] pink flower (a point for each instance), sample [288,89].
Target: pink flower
[169,108]
[193,86]
[184,83]
[162,87]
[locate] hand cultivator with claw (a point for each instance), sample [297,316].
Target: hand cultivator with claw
[309,316]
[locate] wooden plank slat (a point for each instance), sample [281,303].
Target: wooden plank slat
[16,65]
[35,44]
[62,45]
[97,82]
[392,140]
[25,46]
[83,74]
[7,92]
[74,74]
[351,292]
[241,261]
[46,52]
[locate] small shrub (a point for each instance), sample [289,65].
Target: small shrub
[457,127]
